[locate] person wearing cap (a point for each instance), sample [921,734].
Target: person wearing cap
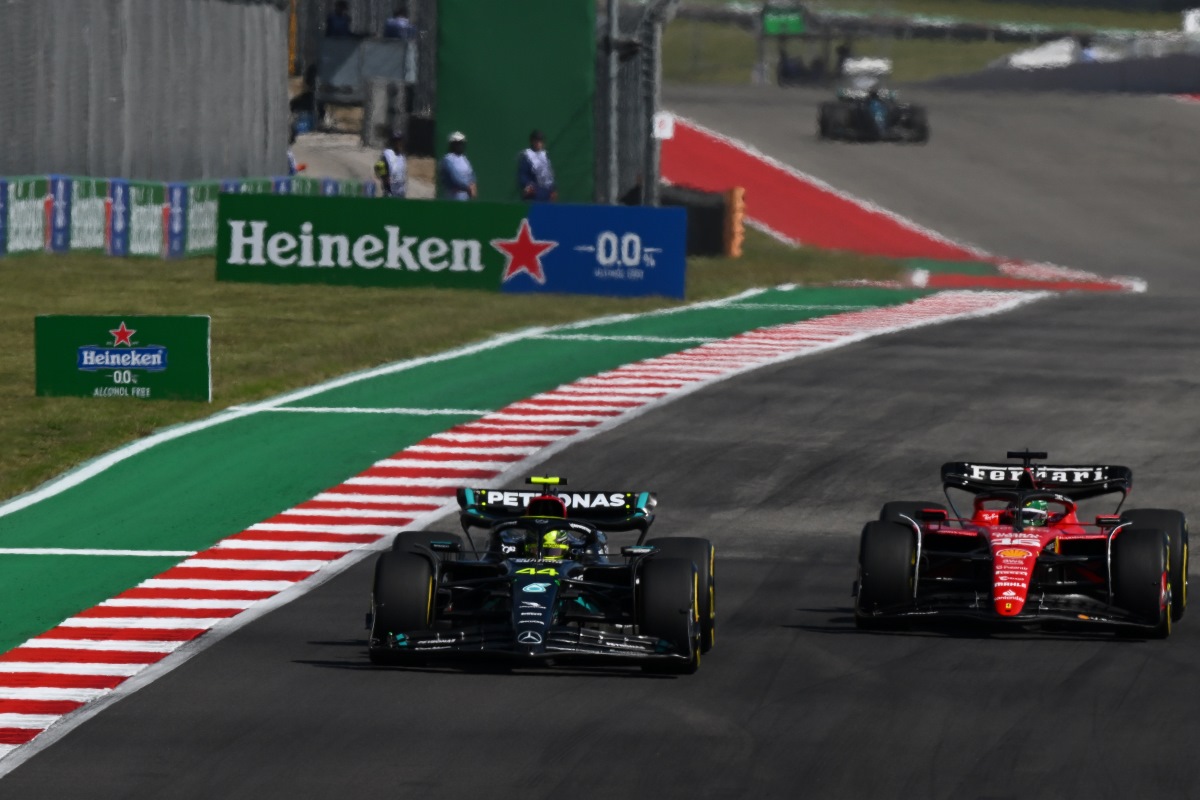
[455,174]
[535,176]
[392,168]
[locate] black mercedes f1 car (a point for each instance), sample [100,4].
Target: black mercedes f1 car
[872,115]
[541,584]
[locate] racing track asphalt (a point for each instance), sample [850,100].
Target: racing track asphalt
[780,468]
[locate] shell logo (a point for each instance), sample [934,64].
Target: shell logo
[1013,553]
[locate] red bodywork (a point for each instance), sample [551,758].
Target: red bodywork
[1015,551]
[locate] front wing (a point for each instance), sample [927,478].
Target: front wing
[563,642]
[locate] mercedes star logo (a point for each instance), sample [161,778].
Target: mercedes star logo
[529,637]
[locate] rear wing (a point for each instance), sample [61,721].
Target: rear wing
[609,511]
[1075,482]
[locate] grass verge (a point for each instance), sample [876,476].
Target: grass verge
[269,339]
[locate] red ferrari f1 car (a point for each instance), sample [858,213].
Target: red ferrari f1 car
[1023,555]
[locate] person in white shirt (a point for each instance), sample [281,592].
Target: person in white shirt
[456,176]
[535,175]
[392,168]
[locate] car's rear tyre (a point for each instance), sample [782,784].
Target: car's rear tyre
[703,555]
[918,126]
[897,510]
[1140,569]
[1175,525]
[669,592]
[823,121]
[402,600]
[405,540]
[887,558]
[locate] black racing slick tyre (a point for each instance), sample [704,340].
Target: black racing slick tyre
[897,510]
[1140,567]
[669,591]
[918,126]
[1175,525]
[405,540]
[703,555]
[887,559]
[402,600]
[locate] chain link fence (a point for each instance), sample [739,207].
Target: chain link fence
[628,91]
[143,89]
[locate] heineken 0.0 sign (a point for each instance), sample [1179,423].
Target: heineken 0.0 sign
[138,357]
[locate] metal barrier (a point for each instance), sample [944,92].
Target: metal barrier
[141,88]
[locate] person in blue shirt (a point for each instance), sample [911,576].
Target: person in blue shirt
[398,25]
[338,23]
[535,175]
[455,174]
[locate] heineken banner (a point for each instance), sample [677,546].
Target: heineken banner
[147,213]
[89,214]
[28,201]
[622,251]
[109,215]
[138,357]
[201,211]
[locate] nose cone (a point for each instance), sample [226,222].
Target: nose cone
[1012,568]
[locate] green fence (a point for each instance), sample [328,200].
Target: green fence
[507,68]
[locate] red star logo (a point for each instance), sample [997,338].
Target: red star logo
[524,254]
[123,335]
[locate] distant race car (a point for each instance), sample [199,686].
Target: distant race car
[543,586]
[1022,555]
[872,115]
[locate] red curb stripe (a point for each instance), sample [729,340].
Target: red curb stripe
[406,491]
[502,426]
[18,735]
[215,574]
[566,402]
[476,455]
[521,410]
[357,505]
[142,593]
[51,680]
[432,472]
[127,634]
[234,554]
[125,612]
[798,209]
[294,518]
[53,655]
[1002,282]
[38,706]
[307,536]
[438,441]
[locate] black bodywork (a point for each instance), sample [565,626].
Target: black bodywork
[872,116]
[499,595]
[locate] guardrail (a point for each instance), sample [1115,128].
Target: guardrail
[62,213]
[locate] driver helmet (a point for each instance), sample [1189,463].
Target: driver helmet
[555,545]
[1036,513]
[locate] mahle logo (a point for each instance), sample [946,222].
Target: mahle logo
[252,244]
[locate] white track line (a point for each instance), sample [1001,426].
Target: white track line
[67,551]
[417,412]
